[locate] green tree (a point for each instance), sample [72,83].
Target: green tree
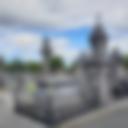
[15,66]
[56,64]
[125,61]
[33,67]
[2,63]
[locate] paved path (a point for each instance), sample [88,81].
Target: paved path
[9,119]
[115,116]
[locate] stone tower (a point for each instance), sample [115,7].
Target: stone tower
[99,41]
[47,53]
[100,76]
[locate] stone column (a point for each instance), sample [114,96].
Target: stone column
[104,87]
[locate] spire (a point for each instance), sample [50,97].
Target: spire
[98,34]
[98,40]
[47,52]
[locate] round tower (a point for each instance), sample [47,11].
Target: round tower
[99,46]
[98,41]
[47,54]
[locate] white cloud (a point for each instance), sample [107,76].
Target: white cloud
[27,46]
[22,45]
[120,43]
[25,40]
[63,48]
[64,13]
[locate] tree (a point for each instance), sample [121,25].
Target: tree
[56,64]
[125,61]
[18,66]
[2,63]
[15,66]
[33,67]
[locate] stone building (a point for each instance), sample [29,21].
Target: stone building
[46,51]
[100,69]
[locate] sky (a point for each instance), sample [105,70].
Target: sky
[68,23]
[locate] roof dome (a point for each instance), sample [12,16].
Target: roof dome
[47,51]
[98,34]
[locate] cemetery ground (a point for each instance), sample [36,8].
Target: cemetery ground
[114,116]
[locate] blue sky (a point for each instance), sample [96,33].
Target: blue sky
[25,43]
[25,23]
[17,42]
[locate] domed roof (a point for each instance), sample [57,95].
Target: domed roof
[98,34]
[46,48]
